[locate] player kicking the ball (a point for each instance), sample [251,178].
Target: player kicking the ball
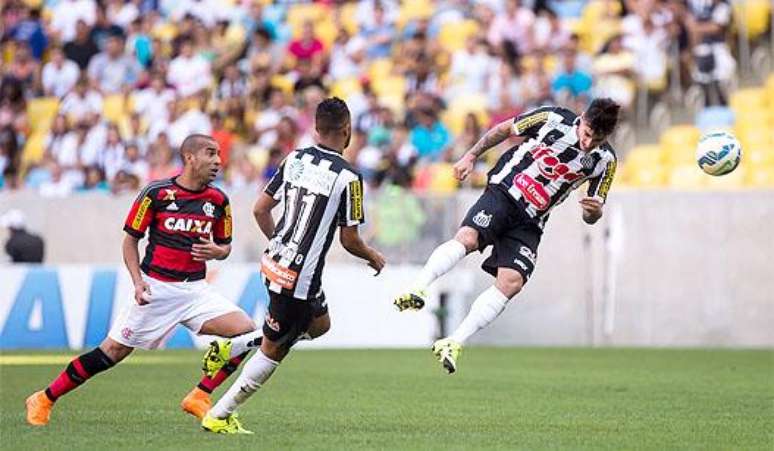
[322,193]
[558,152]
[189,222]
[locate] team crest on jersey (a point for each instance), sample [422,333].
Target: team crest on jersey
[295,170]
[482,219]
[587,161]
[208,209]
[169,194]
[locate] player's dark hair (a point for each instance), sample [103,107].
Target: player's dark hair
[602,116]
[332,115]
[194,142]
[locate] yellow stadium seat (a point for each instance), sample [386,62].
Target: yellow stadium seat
[380,68]
[114,108]
[645,156]
[454,34]
[41,112]
[33,149]
[770,90]
[442,179]
[414,9]
[760,177]
[755,14]
[345,87]
[648,177]
[283,83]
[734,180]
[745,99]
[759,156]
[454,116]
[348,16]
[687,176]
[302,12]
[326,31]
[389,86]
[394,102]
[755,137]
[678,144]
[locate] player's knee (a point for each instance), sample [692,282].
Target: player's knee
[468,236]
[319,326]
[509,283]
[273,350]
[114,350]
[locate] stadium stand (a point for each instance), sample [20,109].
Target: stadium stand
[259,65]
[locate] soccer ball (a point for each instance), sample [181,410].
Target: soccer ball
[718,153]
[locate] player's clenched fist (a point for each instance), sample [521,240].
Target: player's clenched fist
[142,292]
[376,261]
[464,167]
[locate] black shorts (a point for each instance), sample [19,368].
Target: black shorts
[288,318]
[514,236]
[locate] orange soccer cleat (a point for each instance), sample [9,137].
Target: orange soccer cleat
[38,408]
[197,403]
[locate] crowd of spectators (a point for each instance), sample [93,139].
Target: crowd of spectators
[250,73]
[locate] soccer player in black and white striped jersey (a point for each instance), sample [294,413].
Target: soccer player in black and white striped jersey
[322,193]
[557,152]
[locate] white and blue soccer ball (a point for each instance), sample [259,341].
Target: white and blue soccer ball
[718,153]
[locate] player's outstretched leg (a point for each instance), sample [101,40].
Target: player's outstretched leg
[78,371]
[488,306]
[443,259]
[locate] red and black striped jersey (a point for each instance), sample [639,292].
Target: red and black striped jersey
[176,218]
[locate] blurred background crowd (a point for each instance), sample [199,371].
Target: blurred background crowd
[97,95]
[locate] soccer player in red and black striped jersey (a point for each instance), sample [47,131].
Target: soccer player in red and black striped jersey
[188,222]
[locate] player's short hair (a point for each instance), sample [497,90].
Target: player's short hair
[332,115]
[194,142]
[602,116]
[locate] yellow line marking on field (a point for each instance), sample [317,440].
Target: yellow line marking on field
[43,359]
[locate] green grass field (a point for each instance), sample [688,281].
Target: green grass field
[509,398]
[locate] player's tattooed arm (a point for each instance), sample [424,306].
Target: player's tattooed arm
[493,137]
[262,214]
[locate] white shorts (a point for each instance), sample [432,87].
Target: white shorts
[171,303]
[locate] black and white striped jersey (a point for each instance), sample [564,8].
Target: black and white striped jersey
[540,173]
[321,192]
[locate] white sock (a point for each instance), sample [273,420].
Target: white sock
[487,306]
[245,342]
[443,258]
[256,372]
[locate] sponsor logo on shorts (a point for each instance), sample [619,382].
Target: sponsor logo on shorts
[482,219]
[209,209]
[528,254]
[532,191]
[127,333]
[521,264]
[272,323]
